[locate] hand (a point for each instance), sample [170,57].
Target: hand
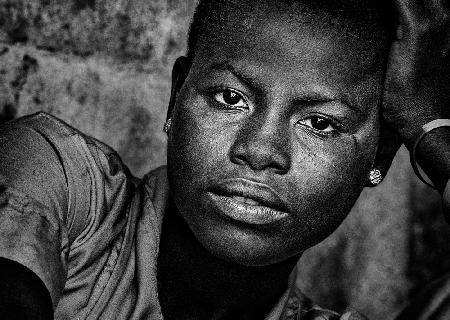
[417,85]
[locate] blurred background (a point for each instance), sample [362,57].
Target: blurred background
[104,67]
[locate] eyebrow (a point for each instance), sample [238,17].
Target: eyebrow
[249,81]
[255,85]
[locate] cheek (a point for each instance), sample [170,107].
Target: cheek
[327,181]
[196,142]
[321,186]
[197,148]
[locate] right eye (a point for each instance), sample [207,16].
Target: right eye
[230,98]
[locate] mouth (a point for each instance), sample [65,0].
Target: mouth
[248,202]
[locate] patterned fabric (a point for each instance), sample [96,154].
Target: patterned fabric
[72,213]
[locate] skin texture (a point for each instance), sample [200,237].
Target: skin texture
[284,84]
[22,294]
[268,142]
[416,92]
[297,115]
[417,81]
[418,73]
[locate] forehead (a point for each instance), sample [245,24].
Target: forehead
[303,48]
[232,22]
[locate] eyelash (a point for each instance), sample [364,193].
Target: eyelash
[222,91]
[336,128]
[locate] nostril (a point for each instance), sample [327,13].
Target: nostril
[280,168]
[238,159]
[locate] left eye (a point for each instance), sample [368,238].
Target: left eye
[230,98]
[319,123]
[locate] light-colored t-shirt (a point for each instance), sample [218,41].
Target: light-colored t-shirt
[72,213]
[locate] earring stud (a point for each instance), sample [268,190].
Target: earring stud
[375,177]
[167,125]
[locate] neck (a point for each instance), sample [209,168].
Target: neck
[194,284]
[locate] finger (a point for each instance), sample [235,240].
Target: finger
[437,9]
[410,10]
[408,13]
[439,5]
[415,16]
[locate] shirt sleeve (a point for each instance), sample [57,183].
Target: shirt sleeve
[48,174]
[33,202]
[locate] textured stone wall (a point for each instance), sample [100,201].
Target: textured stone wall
[104,67]
[101,65]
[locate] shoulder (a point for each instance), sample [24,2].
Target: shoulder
[43,152]
[72,146]
[55,131]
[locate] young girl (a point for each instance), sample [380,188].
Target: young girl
[274,129]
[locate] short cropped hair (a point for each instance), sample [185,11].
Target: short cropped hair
[366,16]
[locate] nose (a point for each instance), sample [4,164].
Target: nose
[263,144]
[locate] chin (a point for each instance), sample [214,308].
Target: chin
[248,258]
[246,249]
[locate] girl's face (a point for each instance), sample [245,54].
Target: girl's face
[275,130]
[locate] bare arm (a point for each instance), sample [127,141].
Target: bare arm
[23,295]
[417,87]
[417,91]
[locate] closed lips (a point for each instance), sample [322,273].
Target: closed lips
[250,192]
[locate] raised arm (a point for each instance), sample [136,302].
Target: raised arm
[417,92]
[417,87]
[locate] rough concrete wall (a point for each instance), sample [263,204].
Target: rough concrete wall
[104,67]
[101,65]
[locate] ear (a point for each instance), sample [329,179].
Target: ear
[388,145]
[179,73]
